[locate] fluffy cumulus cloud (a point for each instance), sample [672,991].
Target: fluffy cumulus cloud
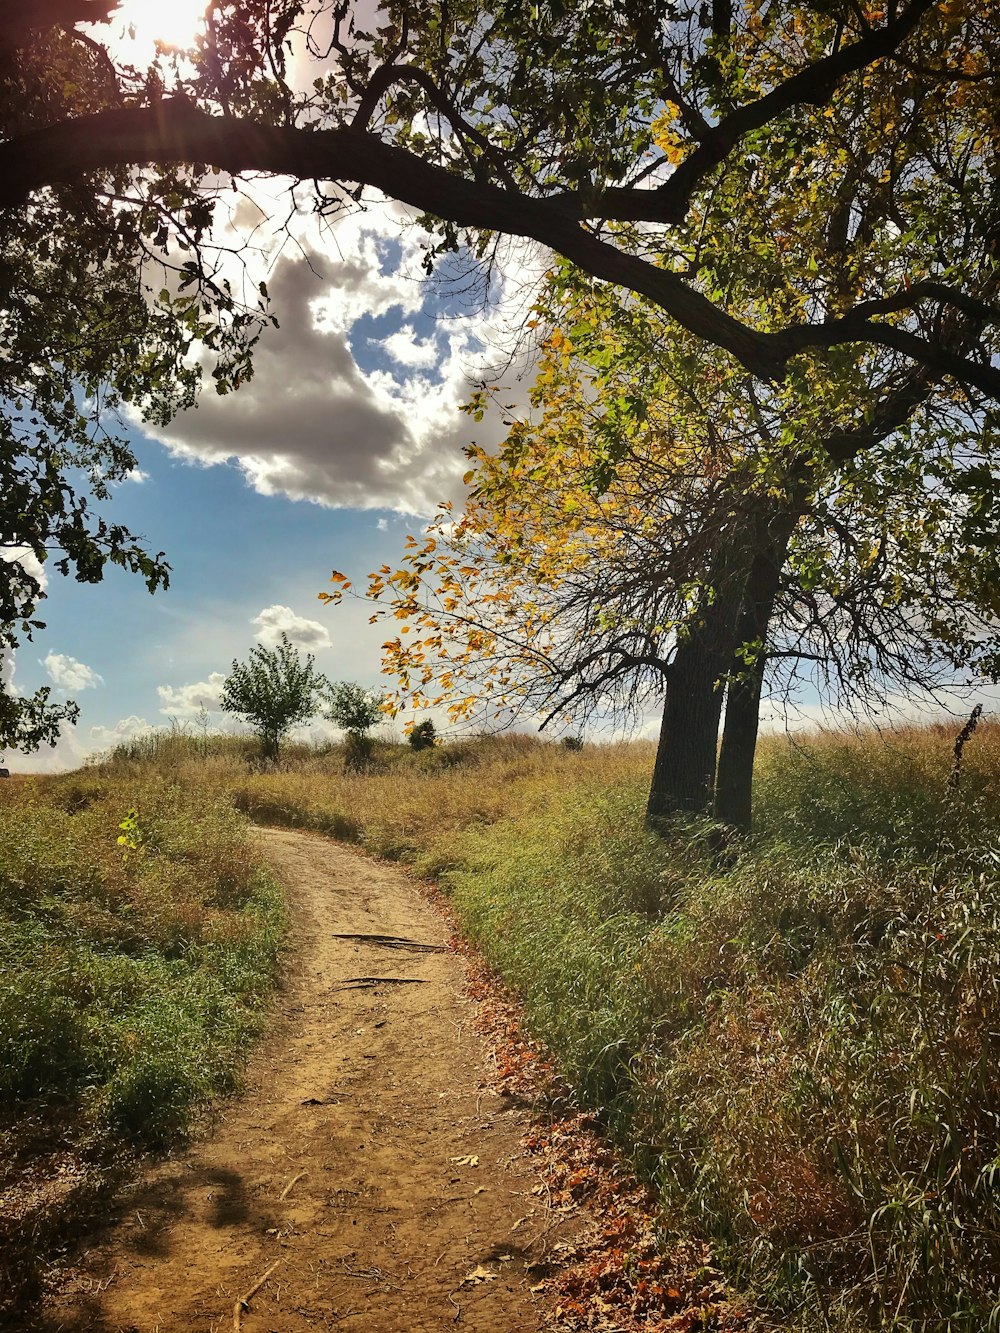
[276,620]
[189,700]
[338,412]
[126,729]
[69,674]
[405,347]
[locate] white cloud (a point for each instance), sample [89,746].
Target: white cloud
[106,738]
[30,562]
[405,347]
[316,423]
[276,620]
[188,700]
[7,685]
[69,674]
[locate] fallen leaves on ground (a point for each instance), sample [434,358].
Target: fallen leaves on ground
[625,1275]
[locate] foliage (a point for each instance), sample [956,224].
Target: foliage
[129,987]
[422,735]
[657,518]
[88,328]
[274,691]
[352,707]
[356,711]
[28,722]
[590,129]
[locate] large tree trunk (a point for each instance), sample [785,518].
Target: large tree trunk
[734,778]
[684,771]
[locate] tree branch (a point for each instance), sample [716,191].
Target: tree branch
[177,131]
[812,86]
[383,79]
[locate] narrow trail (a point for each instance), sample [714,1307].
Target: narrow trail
[366,1169]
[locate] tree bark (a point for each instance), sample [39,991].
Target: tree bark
[734,777]
[684,771]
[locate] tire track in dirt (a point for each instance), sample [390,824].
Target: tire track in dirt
[366,1161]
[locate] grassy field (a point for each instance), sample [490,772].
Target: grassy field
[139,938]
[796,1039]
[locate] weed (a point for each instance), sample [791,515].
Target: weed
[136,955]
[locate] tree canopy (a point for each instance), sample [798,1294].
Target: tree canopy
[593,129]
[274,691]
[660,525]
[806,192]
[352,707]
[88,325]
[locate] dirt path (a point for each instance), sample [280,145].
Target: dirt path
[366,1160]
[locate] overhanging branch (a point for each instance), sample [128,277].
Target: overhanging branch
[177,131]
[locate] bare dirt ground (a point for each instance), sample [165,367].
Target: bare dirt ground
[369,1171]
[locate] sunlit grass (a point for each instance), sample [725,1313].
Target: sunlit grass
[796,1038]
[132,978]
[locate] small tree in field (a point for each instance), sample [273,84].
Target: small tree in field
[356,711]
[274,691]
[423,736]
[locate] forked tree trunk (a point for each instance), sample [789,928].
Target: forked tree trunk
[684,771]
[734,777]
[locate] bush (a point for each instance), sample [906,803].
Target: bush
[422,735]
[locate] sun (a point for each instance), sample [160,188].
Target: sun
[173,22]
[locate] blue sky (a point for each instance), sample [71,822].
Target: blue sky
[347,438]
[234,553]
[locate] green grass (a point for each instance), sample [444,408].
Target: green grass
[798,1040]
[132,978]
[800,1046]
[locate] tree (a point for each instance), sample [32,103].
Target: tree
[352,707]
[356,710]
[650,144]
[84,332]
[274,691]
[663,526]
[589,129]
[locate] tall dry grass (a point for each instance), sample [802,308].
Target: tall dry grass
[799,1042]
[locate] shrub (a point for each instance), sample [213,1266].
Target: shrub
[422,735]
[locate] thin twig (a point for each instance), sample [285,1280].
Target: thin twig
[288,1188]
[359,983]
[243,1301]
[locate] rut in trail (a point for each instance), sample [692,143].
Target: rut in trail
[367,1169]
